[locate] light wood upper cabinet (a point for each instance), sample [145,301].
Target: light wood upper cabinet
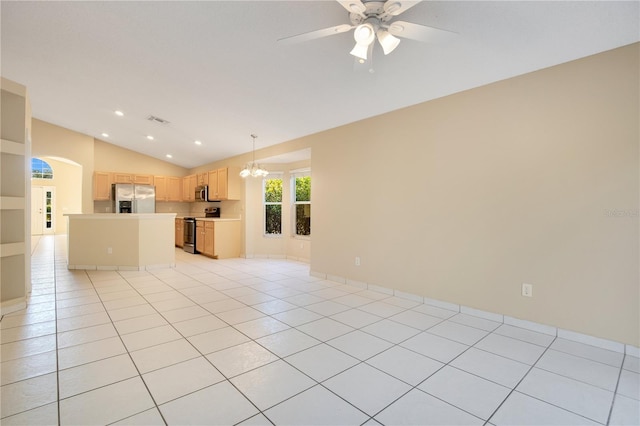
[132,178]
[142,179]
[174,188]
[222,186]
[161,187]
[122,177]
[101,186]
[168,188]
[202,179]
[189,184]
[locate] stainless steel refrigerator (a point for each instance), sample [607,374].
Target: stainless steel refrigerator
[132,198]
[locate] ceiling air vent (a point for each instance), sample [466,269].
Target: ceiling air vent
[157,119]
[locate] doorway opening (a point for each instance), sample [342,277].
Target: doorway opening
[42,210]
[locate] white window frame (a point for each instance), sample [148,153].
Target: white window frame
[293,175]
[41,169]
[271,175]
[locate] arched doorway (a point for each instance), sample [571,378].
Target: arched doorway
[56,189]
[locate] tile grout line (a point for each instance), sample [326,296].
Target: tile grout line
[55,297]
[615,393]
[191,344]
[266,315]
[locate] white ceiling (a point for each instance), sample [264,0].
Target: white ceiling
[214,70]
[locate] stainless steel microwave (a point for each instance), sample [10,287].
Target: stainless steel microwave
[202,193]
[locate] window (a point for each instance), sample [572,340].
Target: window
[40,169]
[302,202]
[273,205]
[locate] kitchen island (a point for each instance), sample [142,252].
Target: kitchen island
[109,241]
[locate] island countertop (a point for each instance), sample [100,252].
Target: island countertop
[120,216]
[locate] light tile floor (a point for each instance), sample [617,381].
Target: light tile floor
[260,341]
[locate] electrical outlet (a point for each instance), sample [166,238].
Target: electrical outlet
[109,250]
[357,260]
[527,290]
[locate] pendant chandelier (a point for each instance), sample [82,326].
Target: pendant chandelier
[252,168]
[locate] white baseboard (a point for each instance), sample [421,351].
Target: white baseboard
[493,316]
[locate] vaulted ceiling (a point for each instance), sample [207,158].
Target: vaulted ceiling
[215,71]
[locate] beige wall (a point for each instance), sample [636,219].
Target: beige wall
[112,158]
[50,140]
[67,181]
[465,198]
[92,154]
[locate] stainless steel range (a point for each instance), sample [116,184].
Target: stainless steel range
[190,234]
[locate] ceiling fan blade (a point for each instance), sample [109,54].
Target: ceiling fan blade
[395,7]
[312,35]
[420,32]
[355,6]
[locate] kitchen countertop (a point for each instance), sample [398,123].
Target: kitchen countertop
[120,216]
[211,219]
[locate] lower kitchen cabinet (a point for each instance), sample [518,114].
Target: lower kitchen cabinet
[208,239]
[200,236]
[218,239]
[179,232]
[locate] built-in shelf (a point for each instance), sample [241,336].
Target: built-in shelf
[15,197]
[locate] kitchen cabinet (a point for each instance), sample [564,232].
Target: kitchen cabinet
[180,232]
[143,179]
[161,187]
[132,178]
[208,239]
[189,184]
[225,184]
[122,178]
[219,239]
[101,186]
[174,188]
[202,179]
[200,236]
[168,188]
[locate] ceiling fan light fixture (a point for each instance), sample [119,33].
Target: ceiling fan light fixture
[387,41]
[364,34]
[360,51]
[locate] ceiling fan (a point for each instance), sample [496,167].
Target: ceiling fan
[374,19]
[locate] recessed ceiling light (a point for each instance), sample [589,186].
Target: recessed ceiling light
[106,135]
[169,156]
[197,142]
[150,137]
[118,113]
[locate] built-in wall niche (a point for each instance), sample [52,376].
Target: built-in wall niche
[13,172]
[12,271]
[12,226]
[13,118]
